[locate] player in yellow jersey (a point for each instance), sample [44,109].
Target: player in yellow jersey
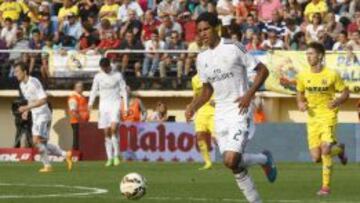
[204,123]
[316,89]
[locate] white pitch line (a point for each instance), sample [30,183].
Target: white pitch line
[87,191]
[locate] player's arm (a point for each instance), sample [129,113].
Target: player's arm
[123,92]
[339,86]
[93,92]
[301,101]
[205,95]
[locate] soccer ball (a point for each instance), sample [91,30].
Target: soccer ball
[133,186]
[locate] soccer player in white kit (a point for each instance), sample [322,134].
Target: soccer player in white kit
[110,86]
[35,95]
[223,70]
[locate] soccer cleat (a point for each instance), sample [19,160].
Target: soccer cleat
[116,161]
[109,163]
[342,156]
[69,160]
[324,191]
[207,166]
[269,167]
[46,169]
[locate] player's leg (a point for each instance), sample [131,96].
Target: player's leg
[40,144]
[105,124]
[115,143]
[201,122]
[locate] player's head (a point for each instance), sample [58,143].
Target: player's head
[208,27]
[21,71]
[79,87]
[315,53]
[105,65]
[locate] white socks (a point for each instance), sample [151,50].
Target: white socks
[115,145]
[247,186]
[55,150]
[252,159]
[43,154]
[108,148]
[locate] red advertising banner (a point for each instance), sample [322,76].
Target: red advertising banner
[145,142]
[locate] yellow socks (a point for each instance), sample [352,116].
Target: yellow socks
[204,151]
[326,170]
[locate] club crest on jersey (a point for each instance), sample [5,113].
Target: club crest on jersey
[324,82]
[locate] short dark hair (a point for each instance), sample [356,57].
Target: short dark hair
[8,20]
[210,18]
[22,67]
[104,62]
[319,48]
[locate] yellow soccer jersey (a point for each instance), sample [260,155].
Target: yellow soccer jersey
[113,8]
[197,86]
[63,12]
[320,89]
[11,10]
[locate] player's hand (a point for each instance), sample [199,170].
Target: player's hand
[244,103]
[22,109]
[189,113]
[302,106]
[333,104]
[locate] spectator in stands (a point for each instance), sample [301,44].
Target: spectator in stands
[11,9]
[195,46]
[168,8]
[341,42]
[47,27]
[189,27]
[131,43]
[272,42]
[250,24]
[167,27]
[315,6]
[71,27]
[355,41]
[325,39]
[247,36]
[292,9]
[332,27]
[78,111]
[353,7]
[151,60]
[298,42]
[355,24]
[266,9]
[35,43]
[8,32]
[127,5]
[131,23]
[21,43]
[69,7]
[351,59]
[109,11]
[314,28]
[87,8]
[136,109]
[200,8]
[170,59]
[90,38]
[254,44]
[291,30]
[48,47]
[108,37]
[160,113]
[226,12]
[149,25]
[276,24]
[243,10]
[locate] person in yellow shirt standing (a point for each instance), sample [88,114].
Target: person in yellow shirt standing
[315,6]
[204,123]
[316,90]
[11,9]
[109,11]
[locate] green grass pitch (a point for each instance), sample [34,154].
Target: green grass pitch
[171,183]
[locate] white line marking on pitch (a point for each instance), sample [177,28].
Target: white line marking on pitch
[87,191]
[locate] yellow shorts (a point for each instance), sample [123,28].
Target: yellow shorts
[204,123]
[319,132]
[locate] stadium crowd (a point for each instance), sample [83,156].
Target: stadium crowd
[94,26]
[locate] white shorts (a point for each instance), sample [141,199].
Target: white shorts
[107,117]
[41,128]
[233,135]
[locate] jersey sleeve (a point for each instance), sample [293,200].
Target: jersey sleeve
[300,87]
[40,93]
[248,60]
[339,83]
[200,68]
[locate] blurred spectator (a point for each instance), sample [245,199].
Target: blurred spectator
[69,7]
[298,42]
[87,8]
[151,60]
[314,28]
[200,8]
[131,43]
[355,41]
[341,42]
[247,36]
[8,32]
[250,24]
[266,9]
[292,9]
[47,27]
[35,43]
[90,37]
[78,111]
[272,42]
[189,26]
[244,9]
[21,43]
[353,7]
[136,109]
[48,47]
[71,27]
[160,113]
[332,27]
[149,25]
[109,11]
[11,9]
[170,59]
[226,12]
[291,30]
[254,44]
[351,58]
[276,23]
[131,24]
[315,6]
[125,8]
[355,24]
[195,46]
[168,7]
[108,37]
[167,27]
[325,39]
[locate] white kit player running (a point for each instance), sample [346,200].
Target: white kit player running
[110,86]
[35,95]
[223,70]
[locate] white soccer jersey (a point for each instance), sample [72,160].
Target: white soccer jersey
[110,87]
[32,91]
[225,68]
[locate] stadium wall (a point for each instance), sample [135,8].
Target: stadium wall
[278,108]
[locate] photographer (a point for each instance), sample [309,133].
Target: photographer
[23,123]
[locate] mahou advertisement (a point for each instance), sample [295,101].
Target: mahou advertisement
[146,142]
